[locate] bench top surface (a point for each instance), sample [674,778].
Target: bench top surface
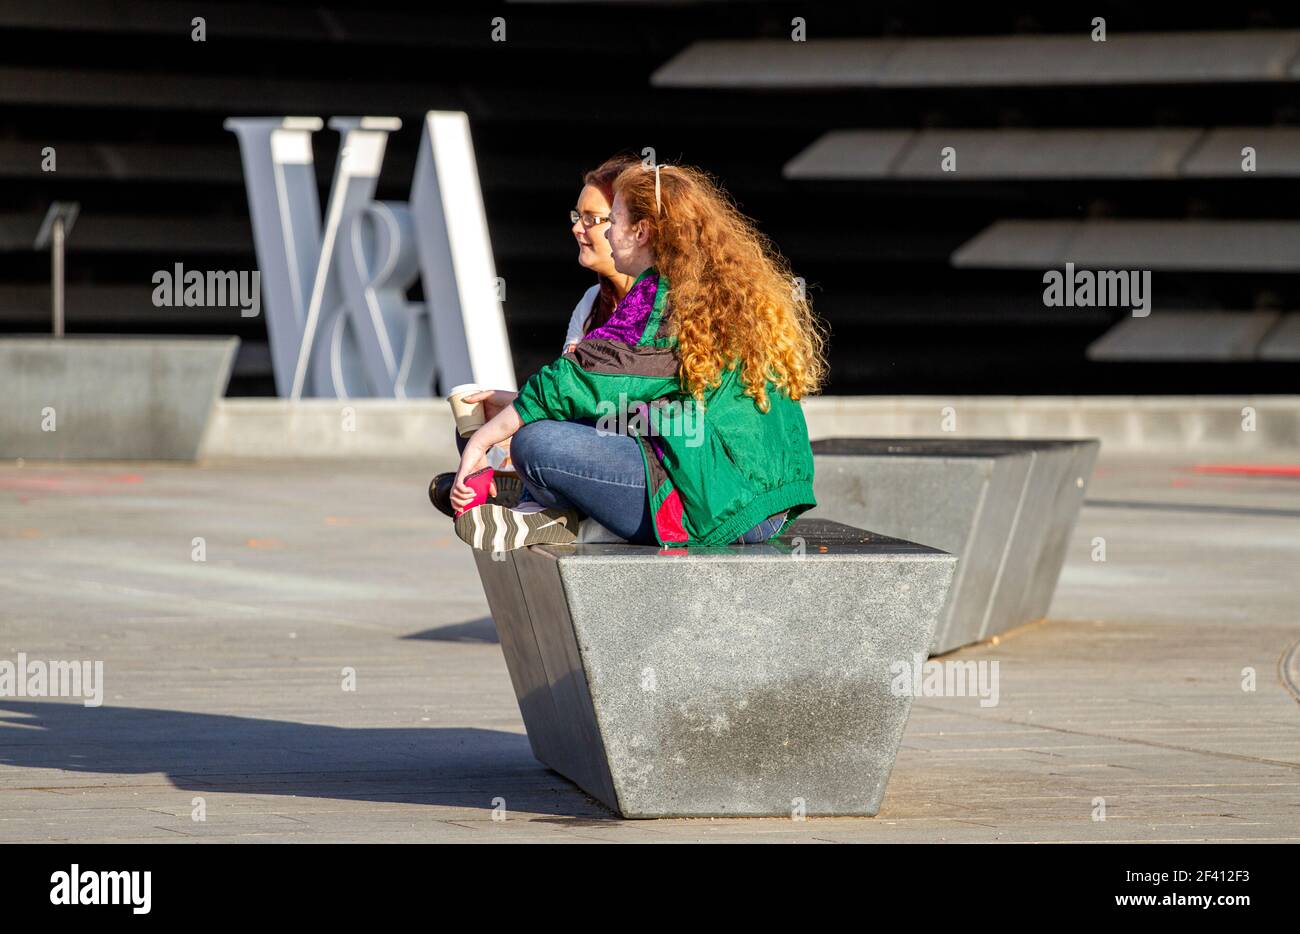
[817,537]
[941,447]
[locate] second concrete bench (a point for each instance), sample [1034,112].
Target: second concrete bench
[1006,508]
[741,680]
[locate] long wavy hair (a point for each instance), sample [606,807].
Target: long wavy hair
[732,298]
[602,179]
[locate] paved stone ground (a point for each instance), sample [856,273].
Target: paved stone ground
[224,678]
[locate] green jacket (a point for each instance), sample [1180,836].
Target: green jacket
[713,472]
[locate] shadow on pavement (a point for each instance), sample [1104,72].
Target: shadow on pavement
[474,630]
[447,766]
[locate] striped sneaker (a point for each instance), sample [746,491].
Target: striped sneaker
[496,528]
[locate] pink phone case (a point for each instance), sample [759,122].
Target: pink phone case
[480,481]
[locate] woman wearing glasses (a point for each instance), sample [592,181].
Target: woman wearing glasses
[705,360]
[589,218]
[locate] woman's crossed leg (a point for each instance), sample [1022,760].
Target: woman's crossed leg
[574,465]
[601,474]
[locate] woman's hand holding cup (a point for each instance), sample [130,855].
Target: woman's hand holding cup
[494,400]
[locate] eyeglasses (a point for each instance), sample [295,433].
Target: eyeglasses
[588,219]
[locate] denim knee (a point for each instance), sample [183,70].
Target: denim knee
[528,446]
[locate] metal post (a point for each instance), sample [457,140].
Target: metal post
[56,276]
[54,232]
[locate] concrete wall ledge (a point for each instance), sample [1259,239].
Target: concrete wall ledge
[384,428]
[1137,423]
[325,428]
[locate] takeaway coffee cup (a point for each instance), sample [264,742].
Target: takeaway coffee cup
[469,415]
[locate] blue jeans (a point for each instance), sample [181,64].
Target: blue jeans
[571,465]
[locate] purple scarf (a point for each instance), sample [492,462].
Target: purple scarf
[629,318]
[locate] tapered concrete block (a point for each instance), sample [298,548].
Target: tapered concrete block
[1064,468]
[742,680]
[1006,508]
[146,398]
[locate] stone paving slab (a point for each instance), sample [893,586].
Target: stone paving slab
[224,678]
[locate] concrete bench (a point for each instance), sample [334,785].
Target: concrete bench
[746,680]
[110,398]
[1006,508]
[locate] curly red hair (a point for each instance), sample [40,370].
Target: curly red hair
[732,298]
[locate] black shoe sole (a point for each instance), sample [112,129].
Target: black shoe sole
[510,489]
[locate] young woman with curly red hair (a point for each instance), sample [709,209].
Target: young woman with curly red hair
[701,366]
